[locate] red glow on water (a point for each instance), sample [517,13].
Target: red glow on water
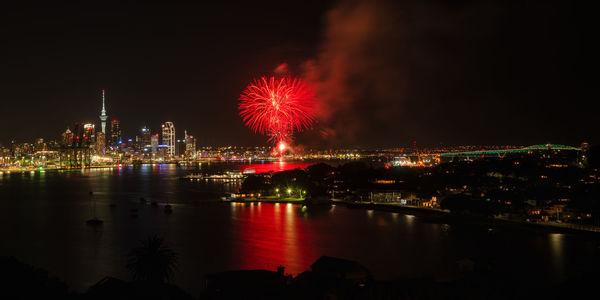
[272,167]
[279,238]
[277,107]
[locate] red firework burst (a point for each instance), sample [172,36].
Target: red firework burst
[277,107]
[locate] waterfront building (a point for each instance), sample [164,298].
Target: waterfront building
[77,152]
[168,138]
[190,146]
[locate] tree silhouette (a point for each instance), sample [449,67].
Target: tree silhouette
[152,261]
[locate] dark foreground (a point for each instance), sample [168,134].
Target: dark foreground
[328,278]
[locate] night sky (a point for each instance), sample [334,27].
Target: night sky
[389,72]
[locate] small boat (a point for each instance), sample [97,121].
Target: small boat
[168,209]
[143,200]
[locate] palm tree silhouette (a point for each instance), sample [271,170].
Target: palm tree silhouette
[152,261]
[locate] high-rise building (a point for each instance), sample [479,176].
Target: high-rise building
[180,148]
[40,145]
[143,142]
[115,133]
[146,137]
[103,115]
[66,136]
[190,146]
[89,134]
[100,143]
[154,144]
[168,138]
[81,136]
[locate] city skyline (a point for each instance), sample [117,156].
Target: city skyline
[520,66]
[131,137]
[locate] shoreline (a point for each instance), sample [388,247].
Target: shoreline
[440,216]
[445,216]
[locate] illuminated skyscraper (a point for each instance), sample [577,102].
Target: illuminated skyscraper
[100,143]
[89,134]
[190,146]
[168,138]
[180,148]
[154,144]
[146,136]
[115,133]
[103,115]
[67,136]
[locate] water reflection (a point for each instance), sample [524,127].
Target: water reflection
[50,211]
[556,241]
[277,166]
[269,236]
[410,221]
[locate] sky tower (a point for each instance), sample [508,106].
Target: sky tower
[103,116]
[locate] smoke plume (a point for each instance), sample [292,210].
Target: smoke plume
[356,74]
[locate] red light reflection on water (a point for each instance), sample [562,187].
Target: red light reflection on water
[271,235]
[273,167]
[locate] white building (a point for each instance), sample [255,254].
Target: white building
[168,138]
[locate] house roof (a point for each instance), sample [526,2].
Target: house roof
[244,278]
[334,264]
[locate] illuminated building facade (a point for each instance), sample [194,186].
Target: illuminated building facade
[146,137]
[168,138]
[180,148]
[115,133]
[154,144]
[89,133]
[190,145]
[100,143]
[66,137]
